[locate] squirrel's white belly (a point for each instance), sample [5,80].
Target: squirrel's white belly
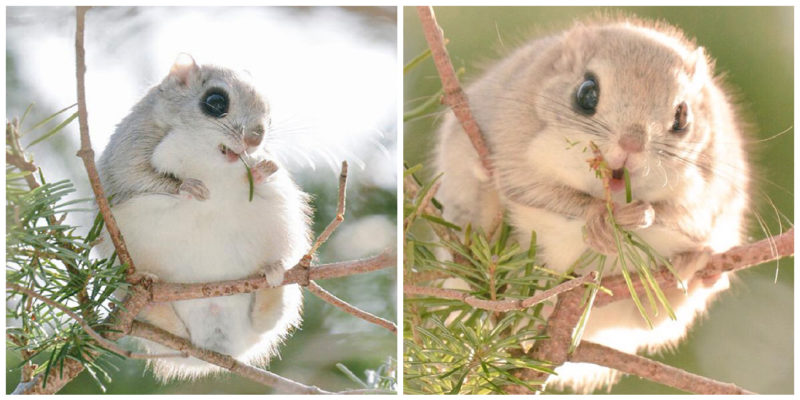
[188,240]
[224,237]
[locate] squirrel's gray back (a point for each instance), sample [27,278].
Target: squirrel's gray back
[124,166]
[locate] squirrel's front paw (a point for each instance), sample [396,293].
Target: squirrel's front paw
[600,232]
[263,170]
[193,189]
[635,215]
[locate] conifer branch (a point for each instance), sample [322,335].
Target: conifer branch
[498,305]
[103,342]
[735,259]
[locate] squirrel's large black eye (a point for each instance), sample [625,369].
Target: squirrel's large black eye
[215,103]
[588,95]
[681,121]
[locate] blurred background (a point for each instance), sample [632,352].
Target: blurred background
[330,77]
[747,337]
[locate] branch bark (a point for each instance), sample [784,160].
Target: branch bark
[166,291]
[497,305]
[158,335]
[560,327]
[655,371]
[454,96]
[86,153]
[346,307]
[340,208]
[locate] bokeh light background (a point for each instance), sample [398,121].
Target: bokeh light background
[330,77]
[747,337]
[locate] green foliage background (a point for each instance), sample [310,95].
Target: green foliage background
[747,337]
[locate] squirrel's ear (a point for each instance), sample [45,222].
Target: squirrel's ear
[699,67]
[184,69]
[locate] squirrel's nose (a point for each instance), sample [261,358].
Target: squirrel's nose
[253,137]
[632,141]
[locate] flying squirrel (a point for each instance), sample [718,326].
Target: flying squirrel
[181,197]
[647,97]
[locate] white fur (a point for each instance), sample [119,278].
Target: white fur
[182,239]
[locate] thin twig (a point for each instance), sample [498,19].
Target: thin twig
[423,204]
[411,188]
[16,156]
[86,153]
[588,352]
[735,259]
[328,297]
[454,96]
[340,208]
[103,342]
[165,291]
[497,305]
[20,162]
[158,335]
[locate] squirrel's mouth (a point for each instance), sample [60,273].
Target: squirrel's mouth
[229,154]
[617,181]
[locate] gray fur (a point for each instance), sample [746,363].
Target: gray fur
[125,167]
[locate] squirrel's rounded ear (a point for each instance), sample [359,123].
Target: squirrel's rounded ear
[699,67]
[184,69]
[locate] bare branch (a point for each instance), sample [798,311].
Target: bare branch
[87,154]
[166,291]
[655,371]
[339,214]
[454,96]
[158,335]
[498,305]
[330,298]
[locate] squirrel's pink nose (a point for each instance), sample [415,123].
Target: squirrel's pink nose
[253,138]
[632,141]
